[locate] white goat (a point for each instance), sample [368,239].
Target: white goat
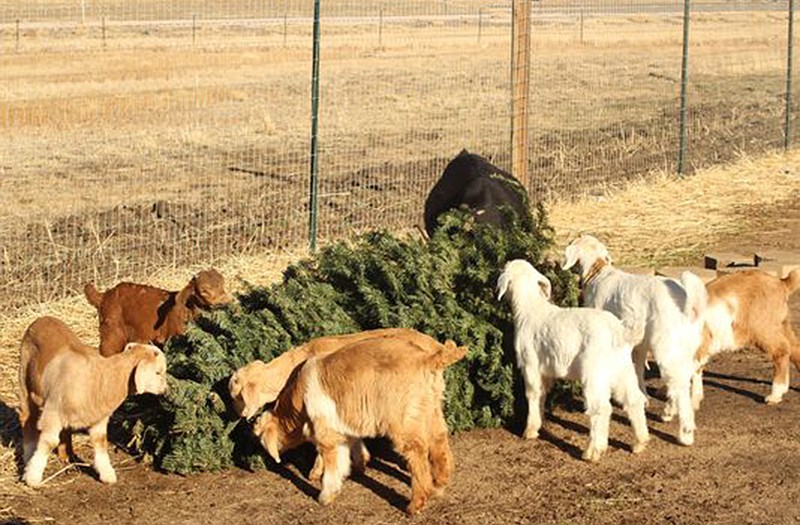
[65,384]
[661,316]
[582,344]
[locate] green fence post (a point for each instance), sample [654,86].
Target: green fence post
[684,80]
[787,125]
[312,205]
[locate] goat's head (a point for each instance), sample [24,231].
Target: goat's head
[208,287]
[520,272]
[274,437]
[585,251]
[248,392]
[150,375]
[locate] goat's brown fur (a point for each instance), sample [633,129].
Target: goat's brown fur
[65,384]
[259,383]
[138,313]
[757,306]
[382,387]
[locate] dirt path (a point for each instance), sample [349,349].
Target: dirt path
[744,467]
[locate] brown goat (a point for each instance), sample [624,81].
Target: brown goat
[138,313]
[379,387]
[750,309]
[64,384]
[257,383]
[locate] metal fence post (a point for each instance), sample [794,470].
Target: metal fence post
[684,80]
[787,125]
[520,88]
[312,204]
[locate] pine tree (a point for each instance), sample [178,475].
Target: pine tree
[445,288]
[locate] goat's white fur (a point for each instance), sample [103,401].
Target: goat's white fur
[582,344]
[661,316]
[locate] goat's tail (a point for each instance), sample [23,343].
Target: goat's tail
[26,351]
[447,354]
[696,296]
[92,295]
[792,281]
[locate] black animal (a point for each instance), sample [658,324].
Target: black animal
[472,181]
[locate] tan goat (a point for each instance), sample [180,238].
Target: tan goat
[380,387]
[138,313]
[750,309]
[258,383]
[65,384]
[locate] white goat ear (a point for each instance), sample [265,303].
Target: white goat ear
[544,287]
[502,286]
[571,254]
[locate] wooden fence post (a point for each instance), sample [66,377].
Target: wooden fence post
[520,88]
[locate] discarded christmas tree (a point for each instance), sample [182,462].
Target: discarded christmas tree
[445,288]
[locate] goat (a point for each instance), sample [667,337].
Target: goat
[285,426]
[381,387]
[257,383]
[660,315]
[750,309]
[65,384]
[138,313]
[582,344]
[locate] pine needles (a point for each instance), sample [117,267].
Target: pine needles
[445,288]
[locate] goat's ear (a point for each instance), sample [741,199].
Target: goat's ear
[544,287]
[572,254]
[144,376]
[269,435]
[502,285]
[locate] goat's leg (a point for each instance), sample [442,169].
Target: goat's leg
[441,457]
[598,407]
[359,455]
[49,428]
[780,378]
[678,378]
[65,451]
[633,401]
[794,344]
[336,459]
[533,392]
[697,388]
[415,450]
[639,357]
[102,463]
[30,435]
[317,470]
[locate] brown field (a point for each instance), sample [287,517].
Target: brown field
[151,152]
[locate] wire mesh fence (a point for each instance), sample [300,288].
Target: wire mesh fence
[138,134]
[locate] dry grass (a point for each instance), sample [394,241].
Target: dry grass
[668,220]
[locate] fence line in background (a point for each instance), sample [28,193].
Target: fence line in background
[206,150]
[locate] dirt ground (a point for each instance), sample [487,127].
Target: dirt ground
[743,468]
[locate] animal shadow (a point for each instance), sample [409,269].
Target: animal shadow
[11,432]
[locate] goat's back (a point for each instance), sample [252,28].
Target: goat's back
[751,302]
[374,385]
[44,340]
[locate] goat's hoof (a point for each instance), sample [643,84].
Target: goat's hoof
[773,399]
[315,475]
[33,482]
[415,506]
[592,455]
[326,498]
[639,447]
[666,417]
[686,438]
[531,434]
[109,478]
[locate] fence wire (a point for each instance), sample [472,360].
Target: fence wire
[138,134]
